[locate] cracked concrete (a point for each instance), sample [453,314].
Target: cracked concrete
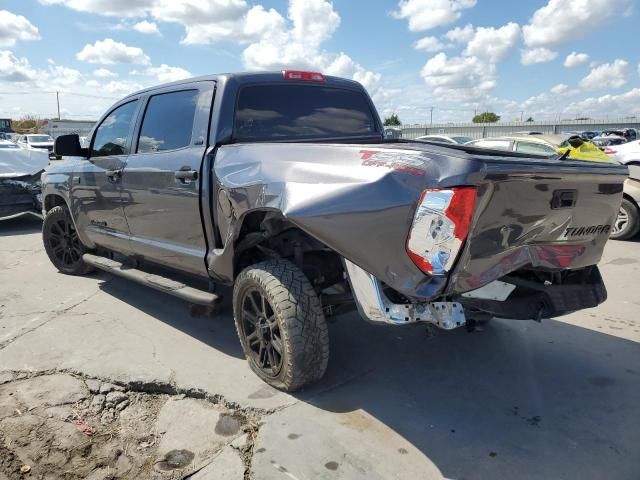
[395,403]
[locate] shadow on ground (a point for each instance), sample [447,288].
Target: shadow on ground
[513,400]
[20,226]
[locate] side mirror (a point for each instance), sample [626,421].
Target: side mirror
[575,142]
[69,146]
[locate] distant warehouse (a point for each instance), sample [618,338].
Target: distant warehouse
[55,128]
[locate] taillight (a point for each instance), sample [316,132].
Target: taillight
[440,226]
[303,76]
[609,151]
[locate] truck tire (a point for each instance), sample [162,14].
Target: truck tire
[62,244]
[280,323]
[627,224]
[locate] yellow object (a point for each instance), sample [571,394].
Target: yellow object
[587,152]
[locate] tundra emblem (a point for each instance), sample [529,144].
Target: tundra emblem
[583,231]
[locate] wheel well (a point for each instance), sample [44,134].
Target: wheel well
[267,234]
[51,201]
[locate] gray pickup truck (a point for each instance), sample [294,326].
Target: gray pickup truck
[283,186]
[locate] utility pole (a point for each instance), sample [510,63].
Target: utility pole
[430,115]
[58,101]
[521,115]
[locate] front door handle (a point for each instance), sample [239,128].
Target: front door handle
[186,175]
[114,175]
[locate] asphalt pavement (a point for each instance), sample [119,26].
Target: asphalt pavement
[513,399]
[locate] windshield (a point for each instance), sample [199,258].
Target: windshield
[285,112]
[40,138]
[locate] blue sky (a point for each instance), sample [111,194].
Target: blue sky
[458,56]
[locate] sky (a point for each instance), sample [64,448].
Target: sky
[425,60]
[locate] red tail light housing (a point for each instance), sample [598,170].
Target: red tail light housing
[609,151]
[302,76]
[440,227]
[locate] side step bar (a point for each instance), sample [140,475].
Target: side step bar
[177,289]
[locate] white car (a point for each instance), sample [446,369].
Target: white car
[627,153]
[40,141]
[450,140]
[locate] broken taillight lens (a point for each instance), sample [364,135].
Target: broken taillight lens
[440,226]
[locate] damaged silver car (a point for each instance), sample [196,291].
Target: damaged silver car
[20,170]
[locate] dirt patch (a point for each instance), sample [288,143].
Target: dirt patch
[64,426]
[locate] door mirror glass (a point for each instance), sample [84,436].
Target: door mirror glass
[69,146]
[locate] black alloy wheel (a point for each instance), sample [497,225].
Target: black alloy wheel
[261,331]
[62,244]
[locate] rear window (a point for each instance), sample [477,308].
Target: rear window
[285,112]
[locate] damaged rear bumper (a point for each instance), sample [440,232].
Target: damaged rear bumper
[375,306]
[535,300]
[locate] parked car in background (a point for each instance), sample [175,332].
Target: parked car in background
[38,141]
[627,153]
[586,135]
[627,224]
[20,170]
[455,139]
[603,142]
[547,145]
[629,134]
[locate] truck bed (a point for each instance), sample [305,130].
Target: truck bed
[364,214]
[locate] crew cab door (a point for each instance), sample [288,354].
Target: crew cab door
[161,180]
[95,190]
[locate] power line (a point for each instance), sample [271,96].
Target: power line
[63,93]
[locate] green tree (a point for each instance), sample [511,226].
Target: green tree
[486,117]
[530,119]
[392,121]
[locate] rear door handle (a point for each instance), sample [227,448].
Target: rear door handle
[114,175]
[186,174]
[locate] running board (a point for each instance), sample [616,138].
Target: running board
[164,284]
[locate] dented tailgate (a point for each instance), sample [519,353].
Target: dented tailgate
[543,215]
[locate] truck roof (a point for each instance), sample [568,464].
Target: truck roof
[250,77]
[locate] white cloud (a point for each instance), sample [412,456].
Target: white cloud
[118,8]
[165,73]
[575,59]
[93,83]
[471,76]
[146,27]
[627,103]
[215,20]
[459,78]
[461,34]
[121,88]
[108,52]
[493,44]
[14,69]
[429,44]
[607,75]
[104,73]
[534,56]
[560,89]
[427,14]
[562,20]
[15,27]
[59,76]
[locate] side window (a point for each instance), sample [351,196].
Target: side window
[534,149]
[168,121]
[494,144]
[111,136]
